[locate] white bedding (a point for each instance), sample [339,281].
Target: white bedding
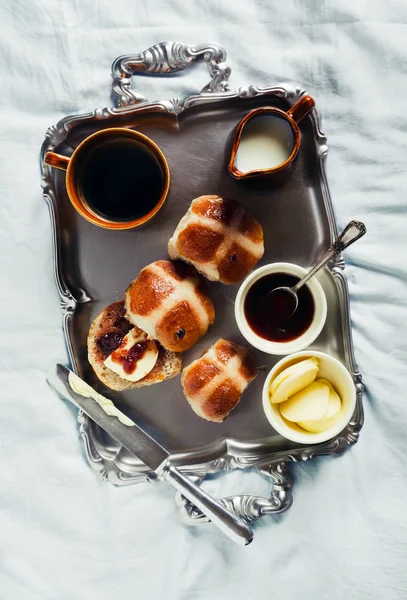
[64,533]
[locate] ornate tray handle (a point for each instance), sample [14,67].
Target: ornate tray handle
[247,507]
[164,58]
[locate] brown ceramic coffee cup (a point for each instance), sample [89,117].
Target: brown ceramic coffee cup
[116,178]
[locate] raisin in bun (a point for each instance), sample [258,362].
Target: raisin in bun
[219,238]
[169,301]
[214,383]
[106,335]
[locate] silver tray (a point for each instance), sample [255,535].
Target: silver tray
[93,267]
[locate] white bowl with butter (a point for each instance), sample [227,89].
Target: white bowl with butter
[330,369]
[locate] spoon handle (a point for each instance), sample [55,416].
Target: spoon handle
[352,232]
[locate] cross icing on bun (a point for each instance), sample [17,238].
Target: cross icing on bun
[214,383]
[219,238]
[169,301]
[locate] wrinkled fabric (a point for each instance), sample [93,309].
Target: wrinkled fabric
[67,535]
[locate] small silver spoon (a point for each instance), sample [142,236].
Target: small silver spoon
[286,299]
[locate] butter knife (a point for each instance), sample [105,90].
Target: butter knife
[103,412]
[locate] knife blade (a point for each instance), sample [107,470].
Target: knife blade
[103,412]
[120,427]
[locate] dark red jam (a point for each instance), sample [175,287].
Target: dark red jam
[267,313]
[130,360]
[109,342]
[123,325]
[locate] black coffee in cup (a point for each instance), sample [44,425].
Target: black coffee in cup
[120,179]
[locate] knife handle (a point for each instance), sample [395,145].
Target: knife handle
[235,528]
